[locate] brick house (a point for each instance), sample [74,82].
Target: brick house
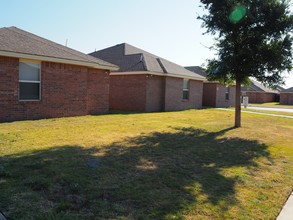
[286,96]
[148,83]
[42,79]
[258,93]
[215,94]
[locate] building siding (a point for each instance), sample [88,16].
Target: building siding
[98,86]
[155,93]
[261,97]
[66,90]
[214,95]
[174,92]
[286,98]
[128,92]
[209,94]
[150,93]
[221,101]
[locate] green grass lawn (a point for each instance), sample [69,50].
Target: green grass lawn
[270,104]
[178,165]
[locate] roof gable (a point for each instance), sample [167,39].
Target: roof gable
[21,43]
[130,59]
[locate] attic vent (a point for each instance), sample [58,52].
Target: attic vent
[161,65]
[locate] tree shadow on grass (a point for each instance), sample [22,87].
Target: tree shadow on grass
[152,176]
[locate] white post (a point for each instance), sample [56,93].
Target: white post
[245,101]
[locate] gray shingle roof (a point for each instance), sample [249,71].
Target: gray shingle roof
[280,88]
[197,69]
[18,41]
[288,90]
[130,59]
[257,87]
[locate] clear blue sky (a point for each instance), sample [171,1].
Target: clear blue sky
[167,28]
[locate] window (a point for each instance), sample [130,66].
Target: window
[227,93]
[29,81]
[185,89]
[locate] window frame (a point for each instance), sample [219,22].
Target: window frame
[184,90]
[30,81]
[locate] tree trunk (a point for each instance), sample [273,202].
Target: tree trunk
[238,104]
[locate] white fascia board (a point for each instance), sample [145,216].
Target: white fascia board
[156,74]
[57,60]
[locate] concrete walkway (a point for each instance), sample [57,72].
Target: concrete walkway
[290,110]
[287,211]
[258,113]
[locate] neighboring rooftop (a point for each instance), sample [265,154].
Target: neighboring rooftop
[288,90]
[133,59]
[197,69]
[257,87]
[280,88]
[15,42]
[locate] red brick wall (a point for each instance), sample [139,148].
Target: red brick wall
[261,97]
[174,92]
[209,94]
[97,91]
[66,90]
[8,88]
[147,93]
[286,98]
[155,93]
[221,101]
[128,92]
[214,95]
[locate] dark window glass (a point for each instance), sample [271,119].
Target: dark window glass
[227,94]
[29,91]
[185,95]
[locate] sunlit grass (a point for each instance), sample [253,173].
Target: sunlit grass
[176,165]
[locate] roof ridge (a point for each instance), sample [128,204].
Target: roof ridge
[51,43]
[141,51]
[142,58]
[161,65]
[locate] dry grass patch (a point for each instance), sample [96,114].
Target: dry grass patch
[176,165]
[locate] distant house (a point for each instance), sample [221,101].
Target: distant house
[258,93]
[42,79]
[148,83]
[280,88]
[286,96]
[215,94]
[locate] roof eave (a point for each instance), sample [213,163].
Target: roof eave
[156,74]
[58,60]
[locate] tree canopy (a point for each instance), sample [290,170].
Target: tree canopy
[253,39]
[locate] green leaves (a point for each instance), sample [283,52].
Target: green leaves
[253,39]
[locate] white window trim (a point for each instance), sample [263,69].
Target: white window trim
[30,81]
